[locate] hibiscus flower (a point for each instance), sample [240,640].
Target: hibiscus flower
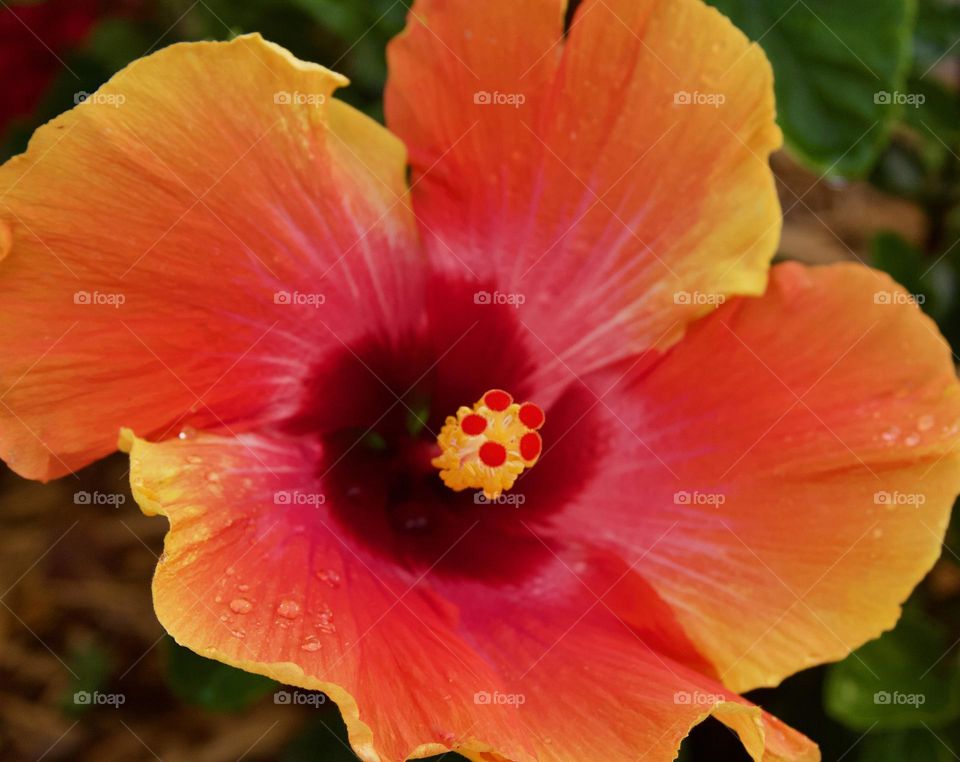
[731,472]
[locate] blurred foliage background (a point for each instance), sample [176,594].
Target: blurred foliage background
[869,101]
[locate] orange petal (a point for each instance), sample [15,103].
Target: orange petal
[796,460]
[256,574]
[573,171]
[166,245]
[592,693]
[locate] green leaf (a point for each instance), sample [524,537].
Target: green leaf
[210,684]
[904,745]
[895,682]
[937,112]
[115,42]
[897,257]
[901,171]
[931,284]
[835,63]
[90,667]
[353,21]
[323,737]
[936,34]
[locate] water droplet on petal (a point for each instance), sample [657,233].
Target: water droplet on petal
[330,577]
[912,440]
[187,432]
[243,588]
[240,606]
[325,621]
[310,644]
[6,239]
[891,434]
[288,609]
[925,422]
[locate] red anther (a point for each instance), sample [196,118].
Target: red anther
[493,454]
[531,415]
[497,399]
[473,424]
[530,445]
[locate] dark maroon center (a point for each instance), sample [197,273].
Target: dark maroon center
[377,406]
